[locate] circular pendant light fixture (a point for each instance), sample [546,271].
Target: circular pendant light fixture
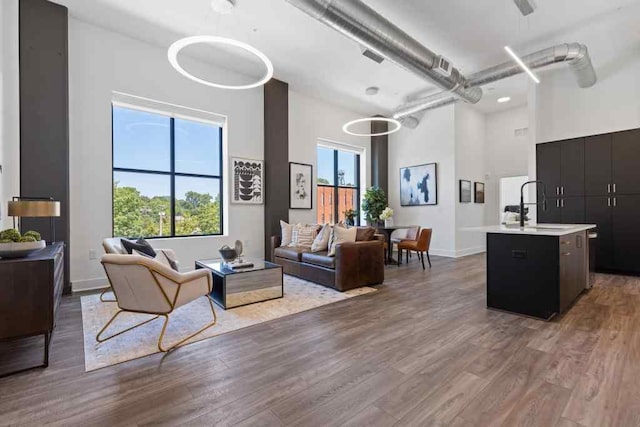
[177,46]
[396,123]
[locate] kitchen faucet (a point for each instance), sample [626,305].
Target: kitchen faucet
[522,203]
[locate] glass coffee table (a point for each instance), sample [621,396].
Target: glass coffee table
[234,288]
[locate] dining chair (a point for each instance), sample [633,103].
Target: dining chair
[408,235]
[420,246]
[143,285]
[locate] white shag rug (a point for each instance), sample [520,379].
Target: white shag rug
[299,295]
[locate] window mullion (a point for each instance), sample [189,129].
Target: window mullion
[172,200]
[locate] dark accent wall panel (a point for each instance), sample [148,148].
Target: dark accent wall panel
[44,113]
[276,159]
[380,156]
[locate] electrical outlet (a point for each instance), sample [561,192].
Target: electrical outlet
[93,254]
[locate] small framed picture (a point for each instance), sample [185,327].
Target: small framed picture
[247,179]
[478,189]
[300,186]
[465,191]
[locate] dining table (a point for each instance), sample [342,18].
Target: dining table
[387,231]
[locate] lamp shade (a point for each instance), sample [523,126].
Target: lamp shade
[34,208]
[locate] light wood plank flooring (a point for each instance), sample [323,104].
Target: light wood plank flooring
[423,350]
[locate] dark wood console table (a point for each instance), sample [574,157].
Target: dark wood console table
[30,292]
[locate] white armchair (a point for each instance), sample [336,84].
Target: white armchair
[143,285]
[113,246]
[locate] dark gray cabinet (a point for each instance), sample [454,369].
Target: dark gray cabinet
[599,183]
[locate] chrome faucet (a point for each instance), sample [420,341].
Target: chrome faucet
[522,203]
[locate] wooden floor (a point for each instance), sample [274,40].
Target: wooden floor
[423,350]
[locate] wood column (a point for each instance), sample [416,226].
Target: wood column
[44,114]
[380,156]
[276,159]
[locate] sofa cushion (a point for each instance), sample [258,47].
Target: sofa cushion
[319,258]
[341,235]
[364,234]
[294,254]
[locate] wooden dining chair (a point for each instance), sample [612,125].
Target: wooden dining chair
[420,246]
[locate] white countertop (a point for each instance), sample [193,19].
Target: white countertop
[535,229]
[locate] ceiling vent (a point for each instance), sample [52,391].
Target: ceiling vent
[527,7]
[371,54]
[443,66]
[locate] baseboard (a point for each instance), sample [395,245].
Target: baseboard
[89,284]
[470,251]
[442,252]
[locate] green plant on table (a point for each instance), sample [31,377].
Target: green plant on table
[375,201]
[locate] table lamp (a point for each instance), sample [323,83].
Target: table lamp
[35,207]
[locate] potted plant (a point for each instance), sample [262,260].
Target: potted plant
[373,204]
[350,216]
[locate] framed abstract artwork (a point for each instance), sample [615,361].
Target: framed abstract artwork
[465,191]
[247,180]
[419,185]
[478,189]
[300,186]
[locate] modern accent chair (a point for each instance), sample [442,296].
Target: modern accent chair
[420,246]
[113,246]
[143,285]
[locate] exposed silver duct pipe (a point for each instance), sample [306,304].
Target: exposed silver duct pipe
[575,54]
[359,22]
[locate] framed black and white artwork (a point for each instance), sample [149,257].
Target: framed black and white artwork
[419,185]
[478,189]
[300,186]
[465,191]
[247,181]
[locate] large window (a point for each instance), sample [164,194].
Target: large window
[338,184]
[167,175]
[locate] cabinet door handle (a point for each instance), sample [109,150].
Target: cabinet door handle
[562,203]
[557,191]
[565,242]
[566,254]
[615,202]
[608,188]
[614,188]
[562,190]
[609,201]
[557,203]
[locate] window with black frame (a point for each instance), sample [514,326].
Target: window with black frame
[338,184]
[167,175]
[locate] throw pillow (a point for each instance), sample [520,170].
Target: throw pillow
[161,257]
[364,234]
[140,245]
[321,243]
[341,235]
[286,230]
[303,236]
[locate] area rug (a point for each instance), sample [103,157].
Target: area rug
[299,295]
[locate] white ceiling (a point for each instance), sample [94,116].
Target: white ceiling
[316,60]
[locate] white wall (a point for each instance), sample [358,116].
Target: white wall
[9,108]
[470,165]
[506,154]
[100,62]
[432,141]
[311,120]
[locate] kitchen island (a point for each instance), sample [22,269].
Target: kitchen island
[536,270]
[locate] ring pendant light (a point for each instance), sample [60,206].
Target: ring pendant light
[177,46]
[395,122]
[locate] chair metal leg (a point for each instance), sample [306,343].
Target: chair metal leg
[104,292]
[121,332]
[428,259]
[182,341]
[422,259]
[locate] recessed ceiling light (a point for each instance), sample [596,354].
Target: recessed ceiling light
[504,99]
[522,64]
[177,46]
[372,90]
[394,122]
[222,6]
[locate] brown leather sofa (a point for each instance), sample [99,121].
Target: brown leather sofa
[354,265]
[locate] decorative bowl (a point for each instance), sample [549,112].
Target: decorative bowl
[228,254]
[20,249]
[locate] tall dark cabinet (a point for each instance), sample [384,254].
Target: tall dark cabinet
[596,180]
